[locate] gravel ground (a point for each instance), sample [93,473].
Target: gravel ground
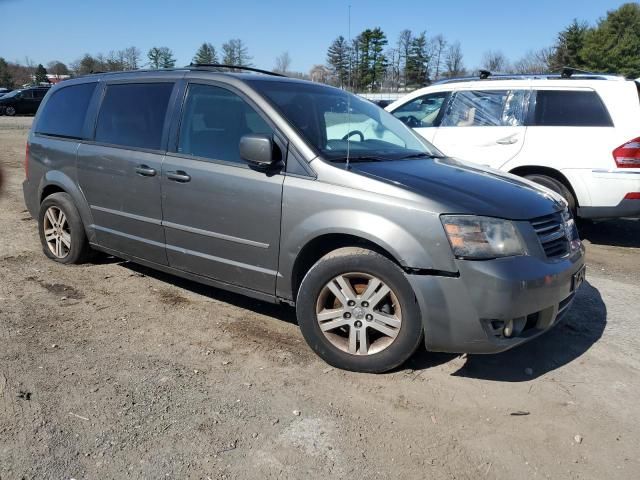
[110,370]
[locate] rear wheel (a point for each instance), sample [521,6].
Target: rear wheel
[558,187]
[61,230]
[357,310]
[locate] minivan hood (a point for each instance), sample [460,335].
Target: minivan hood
[462,187]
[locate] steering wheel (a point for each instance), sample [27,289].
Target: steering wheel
[352,133]
[412,122]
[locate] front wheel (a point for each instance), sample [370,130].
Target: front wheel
[358,312]
[10,111]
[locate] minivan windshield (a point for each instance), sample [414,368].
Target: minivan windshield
[12,94]
[337,123]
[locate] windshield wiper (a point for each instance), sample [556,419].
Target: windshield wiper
[360,158]
[421,155]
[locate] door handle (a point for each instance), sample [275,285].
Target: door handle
[145,171]
[179,176]
[507,141]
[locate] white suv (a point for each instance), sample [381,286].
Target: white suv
[578,135]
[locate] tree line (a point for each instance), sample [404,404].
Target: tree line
[371,62]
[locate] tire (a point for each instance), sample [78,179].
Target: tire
[10,111]
[66,233]
[391,326]
[556,186]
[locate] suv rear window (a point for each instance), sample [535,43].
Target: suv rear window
[133,115]
[566,108]
[64,113]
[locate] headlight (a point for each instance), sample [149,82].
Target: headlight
[482,237]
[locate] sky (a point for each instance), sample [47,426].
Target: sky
[64,30]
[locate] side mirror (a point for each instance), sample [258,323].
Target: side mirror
[257,149]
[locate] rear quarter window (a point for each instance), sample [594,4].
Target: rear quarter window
[565,108]
[65,112]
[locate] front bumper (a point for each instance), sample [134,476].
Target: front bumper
[467,313]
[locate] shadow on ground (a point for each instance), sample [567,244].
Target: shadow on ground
[582,327]
[278,311]
[615,233]
[571,338]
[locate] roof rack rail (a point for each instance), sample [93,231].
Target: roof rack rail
[566,74]
[219,66]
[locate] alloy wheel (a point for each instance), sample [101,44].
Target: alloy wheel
[358,313]
[56,232]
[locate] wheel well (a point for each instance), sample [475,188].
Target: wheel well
[50,190]
[549,172]
[320,246]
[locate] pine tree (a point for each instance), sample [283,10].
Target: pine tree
[206,54]
[234,52]
[569,45]
[417,63]
[338,60]
[6,80]
[41,74]
[614,45]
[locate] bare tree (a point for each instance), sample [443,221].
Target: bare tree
[283,62]
[235,52]
[56,67]
[453,61]
[439,43]
[132,57]
[495,61]
[539,61]
[320,73]
[405,41]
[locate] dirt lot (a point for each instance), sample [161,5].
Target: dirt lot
[110,370]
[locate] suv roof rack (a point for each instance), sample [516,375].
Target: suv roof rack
[220,66]
[566,74]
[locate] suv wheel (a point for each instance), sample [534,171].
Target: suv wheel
[61,230]
[358,312]
[10,111]
[556,186]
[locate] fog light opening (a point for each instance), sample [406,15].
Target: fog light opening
[508,329]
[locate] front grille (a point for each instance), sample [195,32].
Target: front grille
[552,235]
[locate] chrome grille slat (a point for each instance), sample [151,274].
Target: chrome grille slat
[551,233]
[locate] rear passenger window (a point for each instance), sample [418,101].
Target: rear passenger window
[64,113]
[558,108]
[485,108]
[213,121]
[133,115]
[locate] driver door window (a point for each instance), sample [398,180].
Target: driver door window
[422,112]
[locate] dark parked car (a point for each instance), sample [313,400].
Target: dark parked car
[295,192]
[22,102]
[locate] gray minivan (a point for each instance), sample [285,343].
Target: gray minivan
[296,192]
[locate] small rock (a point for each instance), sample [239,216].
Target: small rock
[519,413]
[55,345]
[275,421]
[297,413]
[226,362]
[578,438]
[528,371]
[63,298]
[196,371]
[327,370]
[255,435]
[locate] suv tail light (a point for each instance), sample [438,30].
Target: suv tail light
[26,161]
[628,155]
